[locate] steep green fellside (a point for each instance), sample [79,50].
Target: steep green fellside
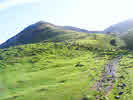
[42,31]
[55,70]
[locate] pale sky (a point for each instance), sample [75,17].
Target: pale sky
[15,15]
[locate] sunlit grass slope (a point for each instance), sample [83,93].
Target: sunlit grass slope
[54,70]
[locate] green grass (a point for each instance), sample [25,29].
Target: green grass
[55,71]
[48,71]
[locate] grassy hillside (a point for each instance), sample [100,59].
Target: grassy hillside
[55,70]
[43,31]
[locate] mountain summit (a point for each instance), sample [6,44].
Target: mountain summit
[44,31]
[41,31]
[31,34]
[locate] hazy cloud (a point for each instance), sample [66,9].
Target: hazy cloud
[10,3]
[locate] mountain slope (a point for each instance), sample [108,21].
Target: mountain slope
[42,31]
[120,27]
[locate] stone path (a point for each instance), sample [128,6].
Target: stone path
[108,77]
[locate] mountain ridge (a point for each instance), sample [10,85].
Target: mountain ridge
[41,31]
[45,31]
[120,27]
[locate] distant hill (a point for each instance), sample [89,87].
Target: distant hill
[121,27]
[44,31]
